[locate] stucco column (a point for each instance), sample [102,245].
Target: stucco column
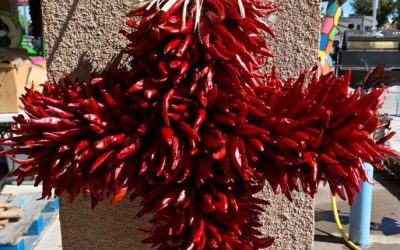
[82,36]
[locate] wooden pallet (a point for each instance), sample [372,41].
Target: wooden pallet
[37,215]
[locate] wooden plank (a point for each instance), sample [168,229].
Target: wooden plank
[32,209]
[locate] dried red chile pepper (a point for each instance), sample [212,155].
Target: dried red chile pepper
[195,129]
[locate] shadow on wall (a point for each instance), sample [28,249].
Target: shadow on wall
[84,67]
[71,12]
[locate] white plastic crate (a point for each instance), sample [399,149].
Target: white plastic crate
[392,102]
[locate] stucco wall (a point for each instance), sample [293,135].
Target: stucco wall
[82,36]
[295,48]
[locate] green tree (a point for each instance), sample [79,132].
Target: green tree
[397,15]
[387,8]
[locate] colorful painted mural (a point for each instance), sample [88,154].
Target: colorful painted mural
[328,32]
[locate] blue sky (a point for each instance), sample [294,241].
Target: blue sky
[346,8]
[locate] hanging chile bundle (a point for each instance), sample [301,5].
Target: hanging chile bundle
[194,128]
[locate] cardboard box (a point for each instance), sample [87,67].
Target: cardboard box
[13,80]
[16,73]
[37,76]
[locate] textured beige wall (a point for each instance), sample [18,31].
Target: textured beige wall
[297,27]
[82,35]
[295,47]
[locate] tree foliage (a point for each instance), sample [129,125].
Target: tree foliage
[397,15]
[387,8]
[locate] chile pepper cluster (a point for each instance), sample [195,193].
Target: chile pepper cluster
[195,129]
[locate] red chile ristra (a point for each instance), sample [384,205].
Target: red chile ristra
[195,129]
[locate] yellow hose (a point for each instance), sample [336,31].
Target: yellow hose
[349,243]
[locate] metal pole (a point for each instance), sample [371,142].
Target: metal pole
[26,26]
[375,4]
[360,212]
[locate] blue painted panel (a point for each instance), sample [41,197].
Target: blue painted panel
[332,7]
[324,42]
[33,234]
[36,227]
[52,206]
[19,246]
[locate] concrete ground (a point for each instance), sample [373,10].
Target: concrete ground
[385,221]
